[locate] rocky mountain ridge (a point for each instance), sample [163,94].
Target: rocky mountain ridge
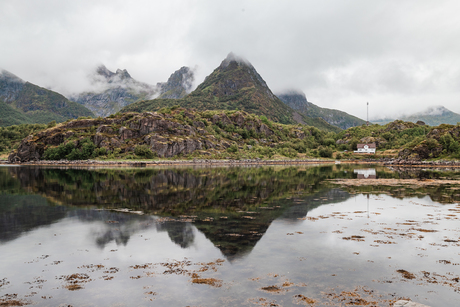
[115,90]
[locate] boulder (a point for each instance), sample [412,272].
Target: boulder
[222,118]
[265,130]
[238,118]
[166,148]
[28,150]
[405,303]
[99,138]
[105,129]
[126,133]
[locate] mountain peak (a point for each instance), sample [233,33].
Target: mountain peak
[103,71]
[123,74]
[231,57]
[434,111]
[109,75]
[292,92]
[6,75]
[178,85]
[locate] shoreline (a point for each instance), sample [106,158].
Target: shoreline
[229,162]
[195,162]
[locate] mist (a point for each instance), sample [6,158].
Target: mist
[401,57]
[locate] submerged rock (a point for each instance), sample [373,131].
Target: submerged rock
[404,303]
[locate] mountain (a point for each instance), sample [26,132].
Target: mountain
[22,102]
[432,116]
[297,101]
[235,85]
[115,90]
[178,85]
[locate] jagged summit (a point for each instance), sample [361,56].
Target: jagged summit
[109,76]
[178,85]
[103,71]
[114,90]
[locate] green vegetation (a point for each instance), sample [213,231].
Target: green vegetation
[27,103]
[212,134]
[11,136]
[234,86]
[297,101]
[83,151]
[408,139]
[144,151]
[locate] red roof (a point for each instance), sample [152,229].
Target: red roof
[370,145]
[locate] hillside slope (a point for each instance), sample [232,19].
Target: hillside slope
[297,101]
[170,133]
[24,102]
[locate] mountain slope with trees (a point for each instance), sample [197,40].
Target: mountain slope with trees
[297,101]
[24,102]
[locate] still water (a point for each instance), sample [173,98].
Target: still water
[242,236]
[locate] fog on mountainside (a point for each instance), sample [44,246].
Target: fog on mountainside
[432,116]
[112,91]
[298,101]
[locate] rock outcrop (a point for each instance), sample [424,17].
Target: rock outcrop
[167,135]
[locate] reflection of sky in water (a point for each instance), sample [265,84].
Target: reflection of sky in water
[310,253]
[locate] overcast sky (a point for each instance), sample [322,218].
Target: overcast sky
[400,56]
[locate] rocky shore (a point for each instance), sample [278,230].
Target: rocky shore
[143,163]
[205,162]
[415,163]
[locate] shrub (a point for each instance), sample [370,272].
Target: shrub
[288,152]
[144,151]
[102,151]
[58,152]
[343,147]
[325,152]
[232,148]
[85,151]
[328,142]
[264,119]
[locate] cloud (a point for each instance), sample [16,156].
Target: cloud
[398,55]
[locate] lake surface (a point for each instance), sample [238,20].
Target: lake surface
[227,236]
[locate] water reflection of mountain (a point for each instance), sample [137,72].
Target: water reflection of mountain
[233,207]
[22,213]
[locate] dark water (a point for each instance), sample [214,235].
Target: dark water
[266,236]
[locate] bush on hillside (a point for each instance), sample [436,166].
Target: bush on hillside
[144,151]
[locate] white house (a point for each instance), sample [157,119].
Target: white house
[367,173]
[366,148]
